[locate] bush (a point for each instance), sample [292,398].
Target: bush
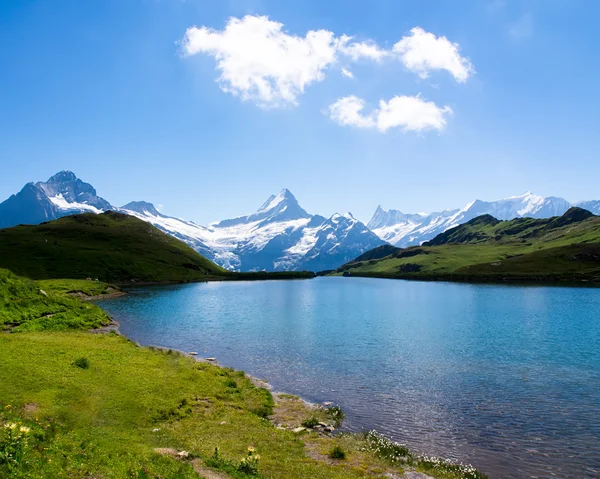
[335,415]
[82,363]
[311,423]
[337,453]
[230,383]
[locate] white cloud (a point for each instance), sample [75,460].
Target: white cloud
[359,50]
[347,111]
[410,113]
[259,61]
[347,73]
[422,52]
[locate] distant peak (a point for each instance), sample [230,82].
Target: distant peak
[285,197]
[141,207]
[62,176]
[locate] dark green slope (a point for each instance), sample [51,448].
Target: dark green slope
[111,246]
[564,248]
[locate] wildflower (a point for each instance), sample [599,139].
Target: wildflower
[10,425]
[24,429]
[251,449]
[8,406]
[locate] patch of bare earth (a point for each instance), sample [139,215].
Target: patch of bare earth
[197,464]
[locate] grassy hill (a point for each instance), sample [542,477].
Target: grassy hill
[111,247]
[564,248]
[27,305]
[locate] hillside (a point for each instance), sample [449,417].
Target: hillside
[112,247]
[561,248]
[27,305]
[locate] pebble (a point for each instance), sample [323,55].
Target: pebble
[211,359]
[299,429]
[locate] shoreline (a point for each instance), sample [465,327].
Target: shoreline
[299,407]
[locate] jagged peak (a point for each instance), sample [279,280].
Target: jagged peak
[284,196]
[62,176]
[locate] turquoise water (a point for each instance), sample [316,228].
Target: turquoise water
[506,378]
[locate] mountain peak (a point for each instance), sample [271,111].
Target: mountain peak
[284,197]
[141,207]
[62,176]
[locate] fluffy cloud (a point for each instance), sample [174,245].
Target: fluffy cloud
[422,52]
[359,50]
[410,113]
[348,111]
[259,61]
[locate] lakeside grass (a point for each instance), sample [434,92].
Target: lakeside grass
[108,419]
[27,305]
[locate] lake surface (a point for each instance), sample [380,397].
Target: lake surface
[506,378]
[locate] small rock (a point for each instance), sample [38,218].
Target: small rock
[156,429]
[193,353]
[327,403]
[299,429]
[324,424]
[223,422]
[43,292]
[183,454]
[329,429]
[211,359]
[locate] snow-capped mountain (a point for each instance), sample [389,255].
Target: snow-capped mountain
[63,194]
[404,230]
[280,236]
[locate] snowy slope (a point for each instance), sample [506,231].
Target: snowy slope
[404,230]
[279,236]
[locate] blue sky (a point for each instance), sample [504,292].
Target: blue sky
[112,90]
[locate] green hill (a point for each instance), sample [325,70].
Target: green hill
[111,247]
[27,305]
[564,248]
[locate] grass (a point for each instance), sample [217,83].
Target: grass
[26,306]
[106,420]
[111,247]
[558,249]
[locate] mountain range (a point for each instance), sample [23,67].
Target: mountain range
[280,235]
[403,230]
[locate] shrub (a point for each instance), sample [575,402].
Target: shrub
[82,363]
[230,383]
[337,453]
[335,415]
[311,423]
